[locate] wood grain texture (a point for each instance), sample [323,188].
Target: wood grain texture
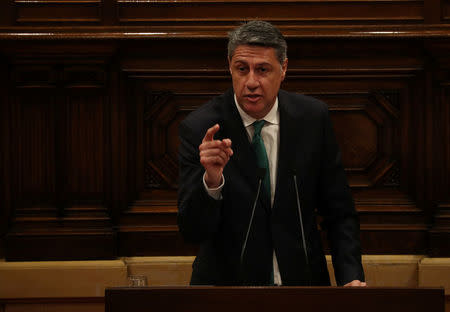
[43,11]
[91,117]
[5,156]
[445,10]
[61,169]
[281,11]
[439,136]
[311,31]
[288,298]
[290,12]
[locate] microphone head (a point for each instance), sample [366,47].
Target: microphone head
[260,173]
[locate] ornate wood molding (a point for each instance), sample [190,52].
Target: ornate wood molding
[96,127]
[220,32]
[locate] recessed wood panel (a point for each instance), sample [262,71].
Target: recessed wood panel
[42,11]
[445,9]
[60,122]
[280,11]
[34,76]
[86,148]
[357,137]
[87,77]
[108,113]
[34,132]
[163,113]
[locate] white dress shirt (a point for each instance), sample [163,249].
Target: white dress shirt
[270,134]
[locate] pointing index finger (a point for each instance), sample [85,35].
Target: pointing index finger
[209,136]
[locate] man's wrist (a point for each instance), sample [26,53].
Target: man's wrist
[215,192]
[212,183]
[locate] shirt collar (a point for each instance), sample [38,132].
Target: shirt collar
[272,116]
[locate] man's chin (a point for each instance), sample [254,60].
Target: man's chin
[255,111]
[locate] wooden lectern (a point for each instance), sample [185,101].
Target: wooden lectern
[273,299]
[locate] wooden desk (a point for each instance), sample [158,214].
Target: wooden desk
[282,299]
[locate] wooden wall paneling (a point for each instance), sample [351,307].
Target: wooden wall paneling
[441,130]
[445,11]
[87,135]
[161,89]
[288,12]
[366,90]
[109,12]
[440,232]
[117,103]
[58,11]
[149,223]
[34,130]
[97,130]
[439,172]
[412,134]
[63,168]
[293,12]
[432,11]
[430,143]
[5,155]
[6,13]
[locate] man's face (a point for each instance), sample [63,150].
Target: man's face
[257,75]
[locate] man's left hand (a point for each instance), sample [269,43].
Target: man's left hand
[356,283]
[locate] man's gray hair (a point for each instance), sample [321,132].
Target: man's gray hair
[258,33]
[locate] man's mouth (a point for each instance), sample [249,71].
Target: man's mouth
[253,97]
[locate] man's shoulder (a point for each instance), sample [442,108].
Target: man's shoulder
[208,114]
[299,104]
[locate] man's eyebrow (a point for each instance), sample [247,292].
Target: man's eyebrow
[240,61]
[257,64]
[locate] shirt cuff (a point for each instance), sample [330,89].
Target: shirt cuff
[215,193]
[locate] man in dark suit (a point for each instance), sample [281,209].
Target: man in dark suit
[259,227]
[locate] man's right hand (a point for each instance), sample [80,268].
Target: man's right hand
[214,155]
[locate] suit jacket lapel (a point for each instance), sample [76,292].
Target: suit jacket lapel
[233,128]
[243,156]
[290,158]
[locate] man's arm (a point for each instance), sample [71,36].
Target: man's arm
[199,213]
[340,217]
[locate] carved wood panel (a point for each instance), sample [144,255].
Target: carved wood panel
[439,130]
[369,101]
[92,137]
[199,13]
[5,157]
[60,11]
[445,10]
[365,127]
[35,149]
[298,12]
[61,173]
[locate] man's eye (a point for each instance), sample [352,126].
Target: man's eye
[263,69]
[241,69]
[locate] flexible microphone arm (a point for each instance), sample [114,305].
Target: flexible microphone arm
[301,227]
[260,173]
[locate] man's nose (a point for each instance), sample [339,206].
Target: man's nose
[252,81]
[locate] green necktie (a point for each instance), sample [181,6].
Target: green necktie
[262,162]
[261,155]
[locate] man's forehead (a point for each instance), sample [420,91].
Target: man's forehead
[242,52]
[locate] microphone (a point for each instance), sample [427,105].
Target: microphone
[301,226]
[260,173]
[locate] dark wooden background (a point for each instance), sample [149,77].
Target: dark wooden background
[92,92]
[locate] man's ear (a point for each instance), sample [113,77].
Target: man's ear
[284,69]
[229,65]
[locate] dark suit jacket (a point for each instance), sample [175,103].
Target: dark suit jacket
[308,149]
